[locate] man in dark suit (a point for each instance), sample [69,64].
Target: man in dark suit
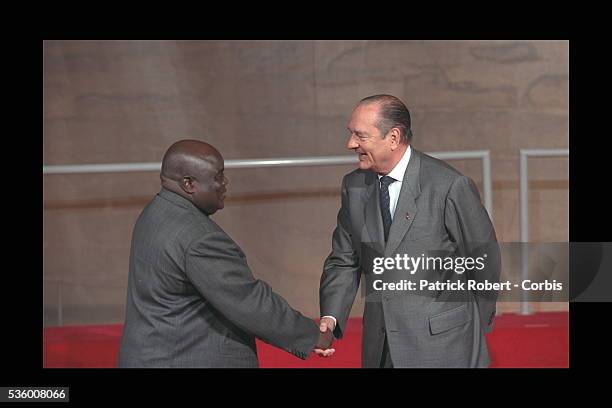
[192,300]
[403,202]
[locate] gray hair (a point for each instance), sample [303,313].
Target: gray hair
[392,113]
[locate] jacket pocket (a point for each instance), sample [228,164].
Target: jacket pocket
[449,319]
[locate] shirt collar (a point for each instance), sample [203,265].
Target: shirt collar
[400,168]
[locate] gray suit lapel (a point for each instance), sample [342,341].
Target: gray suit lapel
[406,208]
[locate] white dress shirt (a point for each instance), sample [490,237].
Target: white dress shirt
[394,188]
[398,174]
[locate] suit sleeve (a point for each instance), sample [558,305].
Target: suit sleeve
[341,271]
[469,225]
[218,269]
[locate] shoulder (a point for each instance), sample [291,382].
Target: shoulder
[445,178]
[177,221]
[358,178]
[437,171]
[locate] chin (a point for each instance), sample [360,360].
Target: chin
[211,211]
[365,165]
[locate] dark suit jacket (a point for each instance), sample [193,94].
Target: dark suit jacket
[192,300]
[438,213]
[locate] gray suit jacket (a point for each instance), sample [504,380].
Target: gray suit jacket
[438,213]
[192,300]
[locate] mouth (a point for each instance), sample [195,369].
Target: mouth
[362,156]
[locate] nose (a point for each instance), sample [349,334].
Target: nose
[352,143]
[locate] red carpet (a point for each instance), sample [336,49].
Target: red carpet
[539,340]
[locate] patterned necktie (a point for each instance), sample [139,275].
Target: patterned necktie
[384,203]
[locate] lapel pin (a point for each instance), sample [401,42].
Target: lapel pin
[407,216]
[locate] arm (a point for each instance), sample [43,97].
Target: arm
[218,269]
[469,225]
[341,271]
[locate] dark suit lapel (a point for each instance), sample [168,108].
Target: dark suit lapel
[373,219]
[406,208]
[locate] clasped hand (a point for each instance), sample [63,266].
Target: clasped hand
[326,337]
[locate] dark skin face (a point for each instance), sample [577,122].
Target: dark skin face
[195,170]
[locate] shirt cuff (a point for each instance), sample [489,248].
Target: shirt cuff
[333,318]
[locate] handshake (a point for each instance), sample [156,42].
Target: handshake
[323,346]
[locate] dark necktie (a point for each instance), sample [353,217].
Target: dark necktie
[384,203]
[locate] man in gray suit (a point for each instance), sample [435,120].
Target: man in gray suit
[402,203]
[192,300]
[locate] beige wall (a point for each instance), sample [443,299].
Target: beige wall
[127,101]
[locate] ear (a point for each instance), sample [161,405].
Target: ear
[187,184]
[395,138]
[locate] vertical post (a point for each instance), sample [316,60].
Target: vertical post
[60,312]
[524,214]
[486,181]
